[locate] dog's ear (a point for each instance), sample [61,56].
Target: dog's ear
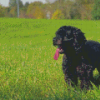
[79,40]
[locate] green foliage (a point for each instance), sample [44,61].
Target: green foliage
[30,10]
[37,3]
[13,12]
[20,4]
[67,9]
[2,11]
[84,1]
[12,3]
[26,4]
[96,10]
[74,12]
[13,7]
[39,14]
[34,10]
[57,15]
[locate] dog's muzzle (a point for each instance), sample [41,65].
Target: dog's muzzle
[57,41]
[54,41]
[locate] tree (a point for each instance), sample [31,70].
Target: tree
[75,11]
[86,11]
[26,4]
[38,13]
[31,9]
[37,3]
[58,15]
[82,9]
[96,10]
[13,12]
[50,1]
[66,8]
[13,7]
[84,1]
[1,11]
[20,4]
[13,3]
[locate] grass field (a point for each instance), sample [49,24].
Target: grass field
[27,68]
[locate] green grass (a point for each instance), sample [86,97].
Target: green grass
[27,68]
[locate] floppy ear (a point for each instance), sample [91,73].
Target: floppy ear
[79,40]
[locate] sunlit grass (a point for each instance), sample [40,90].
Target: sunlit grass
[27,68]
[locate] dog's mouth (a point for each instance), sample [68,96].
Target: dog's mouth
[59,50]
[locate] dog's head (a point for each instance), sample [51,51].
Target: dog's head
[69,40]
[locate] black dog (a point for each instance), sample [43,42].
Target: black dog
[80,58]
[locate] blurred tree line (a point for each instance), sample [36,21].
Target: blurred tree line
[60,9]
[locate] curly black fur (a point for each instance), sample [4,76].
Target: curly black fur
[80,58]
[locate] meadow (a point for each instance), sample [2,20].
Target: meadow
[27,68]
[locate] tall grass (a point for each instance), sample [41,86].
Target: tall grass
[27,68]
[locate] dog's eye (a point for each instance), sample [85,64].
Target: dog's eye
[58,36]
[69,36]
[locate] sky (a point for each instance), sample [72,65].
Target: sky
[6,2]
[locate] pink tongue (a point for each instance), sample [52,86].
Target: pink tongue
[56,54]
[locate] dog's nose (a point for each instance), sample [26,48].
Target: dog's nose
[54,41]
